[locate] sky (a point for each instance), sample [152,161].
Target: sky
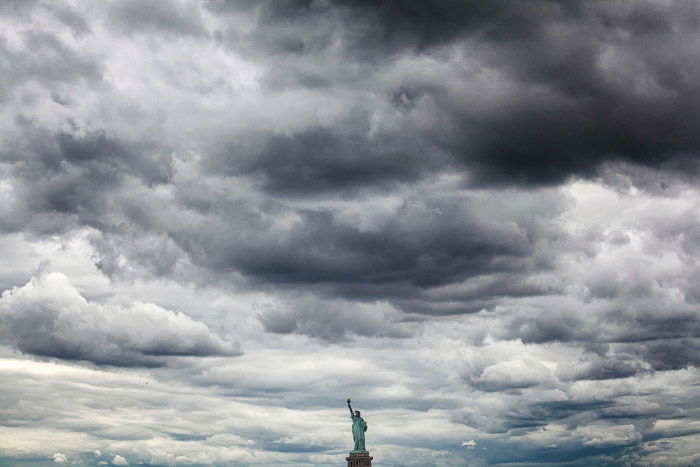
[477,218]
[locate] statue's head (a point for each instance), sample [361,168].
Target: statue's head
[357,413]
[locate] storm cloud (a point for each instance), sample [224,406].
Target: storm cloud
[479,218]
[520,92]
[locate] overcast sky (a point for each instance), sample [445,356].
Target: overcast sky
[219,219]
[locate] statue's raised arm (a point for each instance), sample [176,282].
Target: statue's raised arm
[350,408]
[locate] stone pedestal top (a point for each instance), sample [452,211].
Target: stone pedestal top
[359,459]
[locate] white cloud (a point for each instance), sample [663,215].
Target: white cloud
[60,458]
[119,460]
[469,444]
[49,317]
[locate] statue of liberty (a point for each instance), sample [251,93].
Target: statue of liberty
[359,426]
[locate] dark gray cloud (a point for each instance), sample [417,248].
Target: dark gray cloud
[320,159]
[71,18]
[631,337]
[335,321]
[419,26]
[322,248]
[176,18]
[580,94]
[64,180]
[574,85]
[401,252]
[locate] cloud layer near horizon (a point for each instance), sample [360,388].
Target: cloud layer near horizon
[478,217]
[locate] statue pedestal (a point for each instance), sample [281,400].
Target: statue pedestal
[359,459]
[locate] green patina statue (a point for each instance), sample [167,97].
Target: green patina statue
[359,426]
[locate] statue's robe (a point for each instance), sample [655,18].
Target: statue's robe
[359,426]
